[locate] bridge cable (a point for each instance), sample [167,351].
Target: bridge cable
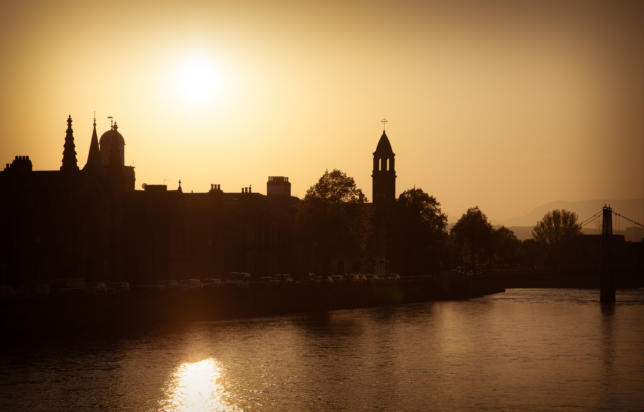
[589,221]
[627,218]
[594,215]
[591,218]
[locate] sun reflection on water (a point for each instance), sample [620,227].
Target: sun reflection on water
[197,387]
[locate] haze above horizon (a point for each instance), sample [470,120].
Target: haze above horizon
[500,104]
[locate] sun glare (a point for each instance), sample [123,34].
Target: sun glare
[197,78]
[196,387]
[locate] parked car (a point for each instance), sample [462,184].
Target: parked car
[240,275]
[211,283]
[189,284]
[117,287]
[96,288]
[69,286]
[170,284]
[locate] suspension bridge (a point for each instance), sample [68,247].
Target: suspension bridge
[607,281]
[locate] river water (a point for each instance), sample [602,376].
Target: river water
[527,349]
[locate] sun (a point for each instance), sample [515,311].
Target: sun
[197,78]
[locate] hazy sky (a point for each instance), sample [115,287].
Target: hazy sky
[504,104]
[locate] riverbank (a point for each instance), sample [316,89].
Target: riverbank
[77,313]
[513,279]
[90,312]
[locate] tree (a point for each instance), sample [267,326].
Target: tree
[557,227]
[335,187]
[332,222]
[555,233]
[506,246]
[472,236]
[531,253]
[419,235]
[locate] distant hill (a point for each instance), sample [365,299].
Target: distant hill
[633,208]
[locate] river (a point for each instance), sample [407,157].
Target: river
[527,349]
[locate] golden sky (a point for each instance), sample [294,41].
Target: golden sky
[501,104]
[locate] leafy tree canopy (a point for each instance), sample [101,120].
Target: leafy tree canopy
[472,227]
[416,206]
[335,186]
[333,221]
[472,235]
[556,227]
[506,245]
[505,236]
[418,243]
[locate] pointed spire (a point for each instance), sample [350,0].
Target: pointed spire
[384,147]
[69,153]
[93,157]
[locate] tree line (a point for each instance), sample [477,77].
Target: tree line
[335,221]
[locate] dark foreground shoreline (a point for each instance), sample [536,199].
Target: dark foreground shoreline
[53,315]
[518,279]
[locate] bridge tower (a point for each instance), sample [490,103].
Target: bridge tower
[607,282]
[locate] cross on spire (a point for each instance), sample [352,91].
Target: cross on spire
[384,123]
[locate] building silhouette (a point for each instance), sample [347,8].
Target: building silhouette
[91,223]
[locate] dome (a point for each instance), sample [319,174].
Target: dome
[112,147]
[384,147]
[111,136]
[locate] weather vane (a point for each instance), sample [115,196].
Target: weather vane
[384,123]
[111,120]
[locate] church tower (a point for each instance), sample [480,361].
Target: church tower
[384,172]
[69,153]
